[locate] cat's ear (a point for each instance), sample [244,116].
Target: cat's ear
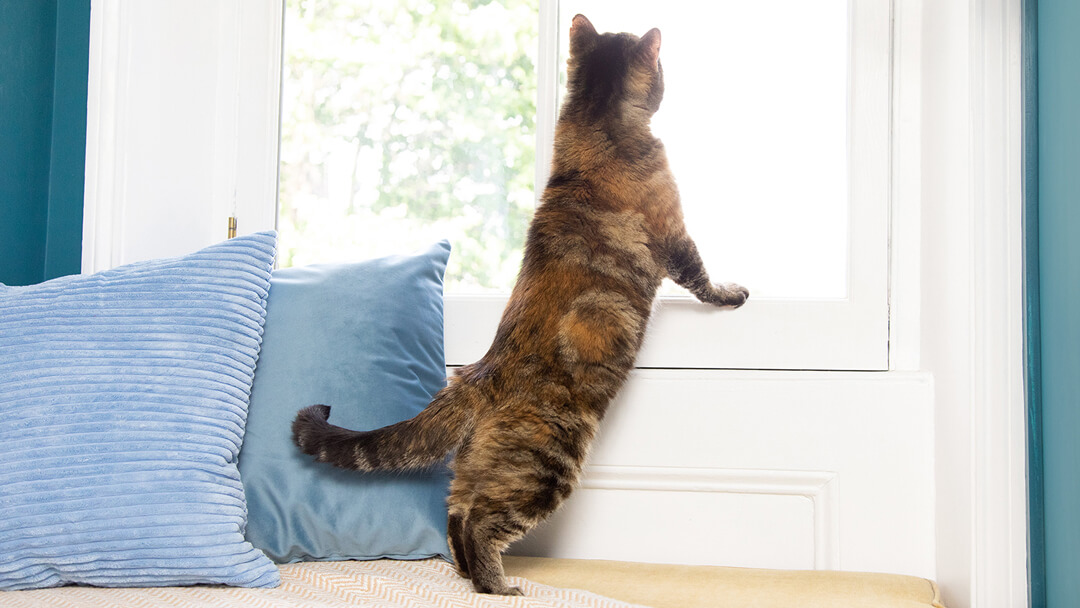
[582,35]
[649,47]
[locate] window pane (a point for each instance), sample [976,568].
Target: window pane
[404,122]
[754,120]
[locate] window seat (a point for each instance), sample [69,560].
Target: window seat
[546,582]
[671,586]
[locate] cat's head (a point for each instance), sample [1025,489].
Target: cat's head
[609,73]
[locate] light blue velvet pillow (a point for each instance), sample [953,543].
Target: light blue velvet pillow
[367,339]
[123,398]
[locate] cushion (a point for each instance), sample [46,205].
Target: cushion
[344,584]
[677,586]
[365,338]
[123,397]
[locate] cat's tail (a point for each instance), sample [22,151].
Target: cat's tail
[418,443]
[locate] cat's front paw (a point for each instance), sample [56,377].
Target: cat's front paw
[730,294]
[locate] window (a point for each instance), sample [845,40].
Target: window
[408,122]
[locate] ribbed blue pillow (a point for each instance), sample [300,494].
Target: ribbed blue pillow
[123,400]
[367,339]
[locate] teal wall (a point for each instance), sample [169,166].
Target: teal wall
[44,48]
[1058,102]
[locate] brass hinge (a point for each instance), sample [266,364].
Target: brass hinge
[232,227]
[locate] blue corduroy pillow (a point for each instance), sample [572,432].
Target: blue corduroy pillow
[123,399]
[367,339]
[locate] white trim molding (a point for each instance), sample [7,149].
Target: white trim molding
[972,301]
[105,111]
[547,73]
[999,454]
[905,257]
[819,487]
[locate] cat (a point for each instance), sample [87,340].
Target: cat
[608,229]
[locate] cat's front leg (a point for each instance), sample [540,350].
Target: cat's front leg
[685,267]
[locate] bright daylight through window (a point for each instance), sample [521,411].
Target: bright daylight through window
[407,122]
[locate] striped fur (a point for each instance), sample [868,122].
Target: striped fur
[609,228]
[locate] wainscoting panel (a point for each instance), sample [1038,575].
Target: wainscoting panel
[719,515]
[801,470]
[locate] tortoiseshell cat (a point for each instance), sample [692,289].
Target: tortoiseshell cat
[608,229]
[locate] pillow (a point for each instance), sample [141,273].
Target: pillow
[123,397]
[367,339]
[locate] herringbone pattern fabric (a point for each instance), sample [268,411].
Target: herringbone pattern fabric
[430,583]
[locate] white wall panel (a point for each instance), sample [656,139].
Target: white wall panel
[181,126]
[779,469]
[673,527]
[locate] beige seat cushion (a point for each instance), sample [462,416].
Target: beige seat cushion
[669,586]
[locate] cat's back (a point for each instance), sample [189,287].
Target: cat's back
[586,244]
[586,286]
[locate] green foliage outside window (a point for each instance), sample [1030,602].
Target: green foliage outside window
[404,122]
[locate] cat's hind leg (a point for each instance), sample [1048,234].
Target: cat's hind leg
[516,477]
[459,501]
[486,533]
[501,513]
[455,530]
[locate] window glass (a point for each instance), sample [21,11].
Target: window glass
[754,121]
[405,122]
